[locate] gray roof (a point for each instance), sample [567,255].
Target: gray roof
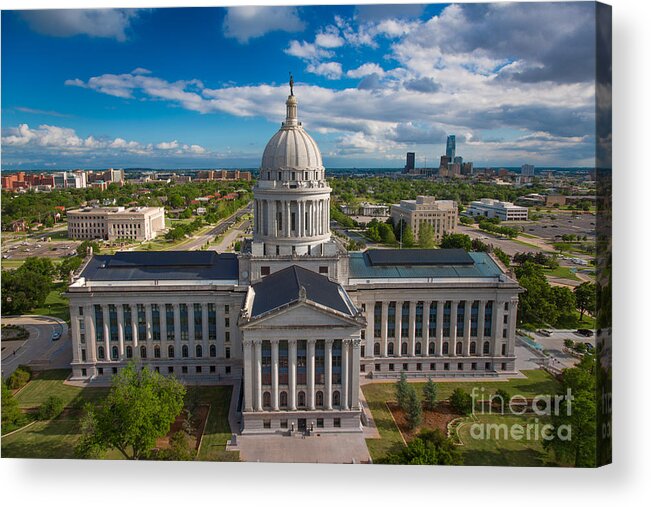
[167,265]
[284,287]
[449,264]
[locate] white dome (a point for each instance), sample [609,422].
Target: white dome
[291,147]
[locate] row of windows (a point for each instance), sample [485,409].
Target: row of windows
[302,423]
[445,349]
[433,366]
[170,370]
[142,352]
[300,399]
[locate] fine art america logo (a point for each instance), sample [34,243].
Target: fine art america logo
[517,405]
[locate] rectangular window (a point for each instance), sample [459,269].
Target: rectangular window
[432,318]
[83,372]
[461,320]
[390,366]
[197,369]
[267,423]
[183,309]
[459,366]
[99,323]
[83,354]
[473,366]
[391,320]
[404,325]
[170,369]
[377,320]
[227,336]
[155,322]
[432,366]
[419,366]
[336,422]
[228,370]
[323,270]
[212,321]
[488,319]
[212,368]
[226,309]
[446,366]
[169,321]
[265,270]
[447,310]
[283,423]
[142,323]
[319,422]
[184,369]
[419,319]
[377,367]
[81,311]
[128,326]
[113,323]
[100,371]
[227,322]
[228,352]
[197,321]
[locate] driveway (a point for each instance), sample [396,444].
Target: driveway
[39,349]
[554,345]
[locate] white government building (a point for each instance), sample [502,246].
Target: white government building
[294,317]
[491,208]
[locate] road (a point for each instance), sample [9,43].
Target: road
[231,237]
[509,247]
[554,345]
[39,348]
[197,242]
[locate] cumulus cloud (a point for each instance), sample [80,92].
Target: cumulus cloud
[330,70]
[329,38]
[248,22]
[307,51]
[108,23]
[65,141]
[422,84]
[365,70]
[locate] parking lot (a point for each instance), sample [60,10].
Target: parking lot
[33,248]
[563,223]
[554,344]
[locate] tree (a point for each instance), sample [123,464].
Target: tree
[577,414]
[402,389]
[407,236]
[51,408]
[456,241]
[565,303]
[425,235]
[12,417]
[41,265]
[461,401]
[68,265]
[413,409]
[140,407]
[428,448]
[536,305]
[429,393]
[23,290]
[82,249]
[586,298]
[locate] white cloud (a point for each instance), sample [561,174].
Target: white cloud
[306,50]
[329,38]
[108,23]
[330,70]
[365,70]
[246,23]
[63,140]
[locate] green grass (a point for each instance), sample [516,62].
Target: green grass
[55,305]
[562,272]
[217,430]
[377,394]
[495,450]
[574,323]
[57,438]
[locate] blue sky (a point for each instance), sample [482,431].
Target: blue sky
[205,87]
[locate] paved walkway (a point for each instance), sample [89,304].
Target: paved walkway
[319,448]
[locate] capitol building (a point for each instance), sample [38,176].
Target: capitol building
[294,321]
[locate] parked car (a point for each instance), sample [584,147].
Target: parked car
[585,332]
[545,332]
[56,335]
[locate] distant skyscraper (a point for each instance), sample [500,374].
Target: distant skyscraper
[411,162]
[451,147]
[458,160]
[527,170]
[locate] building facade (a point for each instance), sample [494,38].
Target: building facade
[108,223]
[441,215]
[294,317]
[491,208]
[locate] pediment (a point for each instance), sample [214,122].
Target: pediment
[302,314]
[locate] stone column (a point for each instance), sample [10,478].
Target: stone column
[148,328]
[91,337]
[248,377]
[258,375]
[134,326]
[292,374]
[453,327]
[467,324]
[204,330]
[106,329]
[120,312]
[328,375]
[354,381]
[177,330]
[191,329]
[513,319]
[384,327]
[425,339]
[311,343]
[345,384]
[398,333]
[412,328]
[440,307]
[274,375]
[481,322]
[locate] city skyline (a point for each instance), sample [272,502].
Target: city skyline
[373,82]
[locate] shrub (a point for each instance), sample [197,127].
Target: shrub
[19,378]
[461,401]
[51,408]
[569,343]
[429,393]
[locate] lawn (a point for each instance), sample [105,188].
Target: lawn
[56,438]
[55,305]
[562,272]
[377,394]
[492,449]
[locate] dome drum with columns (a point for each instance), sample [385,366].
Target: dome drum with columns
[292,197]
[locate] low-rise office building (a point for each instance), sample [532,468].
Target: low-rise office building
[138,223]
[441,215]
[491,208]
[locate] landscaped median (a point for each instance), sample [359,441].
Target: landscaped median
[380,396]
[56,438]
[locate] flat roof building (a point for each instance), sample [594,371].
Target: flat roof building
[441,215]
[138,223]
[491,208]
